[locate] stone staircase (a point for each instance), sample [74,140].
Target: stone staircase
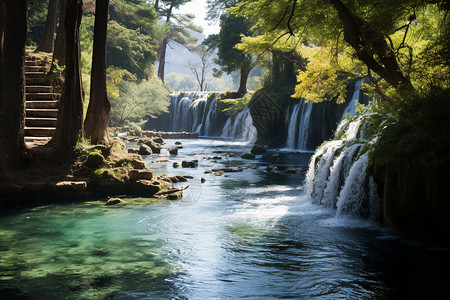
[41,101]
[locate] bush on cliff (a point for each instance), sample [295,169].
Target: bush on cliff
[411,163]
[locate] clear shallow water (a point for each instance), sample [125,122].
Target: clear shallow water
[250,235]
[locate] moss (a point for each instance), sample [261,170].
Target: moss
[95,159]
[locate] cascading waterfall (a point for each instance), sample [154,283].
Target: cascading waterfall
[196,112]
[337,177]
[303,116]
[240,127]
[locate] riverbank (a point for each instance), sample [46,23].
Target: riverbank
[94,171]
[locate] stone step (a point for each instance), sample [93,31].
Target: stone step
[43,139]
[31,69]
[39,131]
[40,122]
[42,112]
[38,81]
[40,96]
[39,89]
[42,104]
[34,74]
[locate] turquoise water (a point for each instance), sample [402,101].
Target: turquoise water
[250,235]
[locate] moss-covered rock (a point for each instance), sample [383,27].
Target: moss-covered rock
[248,155]
[95,159]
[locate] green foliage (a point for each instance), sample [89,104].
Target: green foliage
[229,57]
[87,48]
[413,32]
[137,101]
[420,138]
[37,14]
[130,49]
[234,106]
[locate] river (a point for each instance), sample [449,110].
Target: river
[249,234]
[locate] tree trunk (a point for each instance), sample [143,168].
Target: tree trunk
[96,123]
[162,58]
[163,48]
[156,6]
[371,47]
[46,44]
[59,53]
[70,114]
[243,80]
[13,27]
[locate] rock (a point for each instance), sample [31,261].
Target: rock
[276,155]
[248,155]
[178,143]
[78,186]
[219,173]
[146,187]
[174,196]
[188,177]
[133,150]
[208,171]
[114,201]
[252,166]
[258,150]
[228,170]
[189,164]
[202,180]
[137,163]
[173,151]
[175,179]
[158,140]
[156,148]
[94,160]
[290,170]
[176,165]
[180,147]
[137,174]
[144,149]
[113,176]
[274,171]
[270,167]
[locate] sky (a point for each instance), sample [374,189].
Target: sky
[198,8]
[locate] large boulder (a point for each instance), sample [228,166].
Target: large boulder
[145,150]
[94,160]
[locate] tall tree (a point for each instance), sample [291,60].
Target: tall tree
[178,27]
[70,114]
[13,33]
[230,58]
[59,52]
[46,44]
[96,123]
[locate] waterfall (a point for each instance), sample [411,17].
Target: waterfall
[304,126]
[336,176]
[197,112]
[351,107]
[309,124]
[240,127]
[292,125]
